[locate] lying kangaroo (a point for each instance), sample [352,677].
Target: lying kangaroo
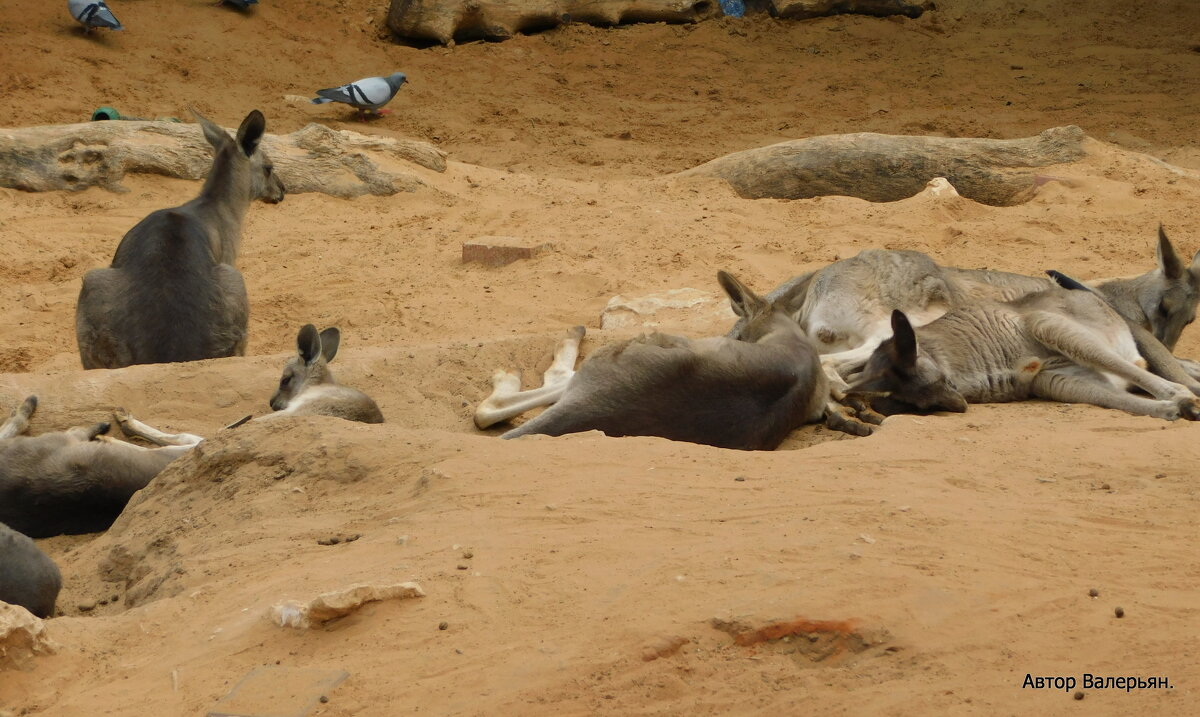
[846,306]
[74,481]
[746,392]
[28,577]
[1057,344]
[172,292]
[306,388]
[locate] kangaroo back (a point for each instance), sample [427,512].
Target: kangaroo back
[28,577]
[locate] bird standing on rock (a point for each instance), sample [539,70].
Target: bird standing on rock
[93,13]
[367,94]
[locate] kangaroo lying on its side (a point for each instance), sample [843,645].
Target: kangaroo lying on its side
[71,481]
[846,306]
[1057,344]
[746,392]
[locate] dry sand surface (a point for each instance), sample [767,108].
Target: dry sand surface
[941,559]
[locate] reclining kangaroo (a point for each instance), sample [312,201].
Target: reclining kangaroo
[74,481]
[746,392]
[172,292]
[846,306]
[306,388]
[28,577]
[1057,344]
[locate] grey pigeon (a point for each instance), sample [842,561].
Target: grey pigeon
[240,4]
[369,93]
[93,13]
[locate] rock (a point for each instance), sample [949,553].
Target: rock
[498,251]
[340,603]
[22,637]
[887,168]
[679,309]
[662,647]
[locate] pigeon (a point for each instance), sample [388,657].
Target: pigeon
[239,4]
[93,13]
[369,93]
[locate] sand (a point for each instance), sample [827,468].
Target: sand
[948,555]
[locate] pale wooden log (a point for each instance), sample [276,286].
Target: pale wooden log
[887,168]
[312,159]
[445,20]
[800,9]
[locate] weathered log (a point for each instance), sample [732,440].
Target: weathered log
[312,159]
[887,168]
[800,9]
[445,20]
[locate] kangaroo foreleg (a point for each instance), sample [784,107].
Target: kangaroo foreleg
[1161,362]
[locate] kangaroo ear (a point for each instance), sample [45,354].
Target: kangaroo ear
[215,135]
[904,341]
[308,343]
[251,132]
[330,338]
[1168,260]
[745,302]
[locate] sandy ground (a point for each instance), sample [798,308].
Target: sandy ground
[953,554]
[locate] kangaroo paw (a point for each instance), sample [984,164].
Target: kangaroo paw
[1189,408]
[839,419]
[97,430]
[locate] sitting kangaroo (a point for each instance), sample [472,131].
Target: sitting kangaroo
[746,392]
[1058,344]
[306,388]
[846,306]
[74,481]
[172,292]
[28,577]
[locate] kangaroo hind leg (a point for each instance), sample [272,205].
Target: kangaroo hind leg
[508,400]
[18,420]
[130,426]
[1067,385]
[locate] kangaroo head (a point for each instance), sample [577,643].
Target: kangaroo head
[309,367]
[1170,296]
[248,167]
[759,317]
[900,378]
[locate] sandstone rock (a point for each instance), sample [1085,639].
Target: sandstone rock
[675,309]
[22,636]
[339,603]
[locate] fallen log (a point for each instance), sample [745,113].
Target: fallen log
[314,158]
[887,168]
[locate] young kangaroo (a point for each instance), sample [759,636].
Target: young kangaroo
[74,481]
[306,388]
[172,292]
[1058,344]
[28,577]
[746,392]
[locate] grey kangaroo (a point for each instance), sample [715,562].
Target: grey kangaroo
[173,292]
[1057,344]
[846,306]
[28,577]
[746,392]
[306,388]
[75,481]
